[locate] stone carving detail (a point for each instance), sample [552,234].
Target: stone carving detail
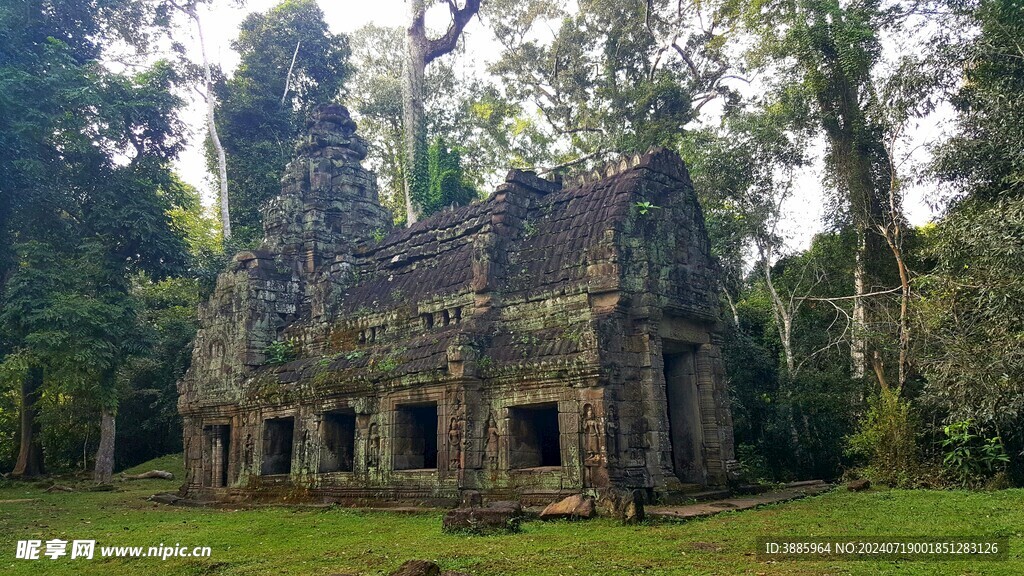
[591,443]
[373,450]
[248,450]
[491,450]
[611,427]
[455,443]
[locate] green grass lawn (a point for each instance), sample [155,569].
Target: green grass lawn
[297,541]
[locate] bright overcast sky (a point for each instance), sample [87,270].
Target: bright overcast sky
[803,212]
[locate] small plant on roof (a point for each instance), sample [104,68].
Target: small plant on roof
[644,207]
[282,351]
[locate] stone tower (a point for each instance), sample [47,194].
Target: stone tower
[328,201]
[328,205]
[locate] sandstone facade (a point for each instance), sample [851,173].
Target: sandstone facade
[551,339]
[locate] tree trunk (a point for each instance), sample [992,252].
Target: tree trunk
[105,453]
[30,452]
[415,140]
[858,336]
[892,237]
[222,169]
[419,52]
[858,156]
[732,307]
[783,320]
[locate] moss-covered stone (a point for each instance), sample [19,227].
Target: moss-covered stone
[546,341]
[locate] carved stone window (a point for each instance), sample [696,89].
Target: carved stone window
[534,436]
[415,440]
[338,441]
[278,437]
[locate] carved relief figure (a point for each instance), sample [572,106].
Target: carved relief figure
[249,447]
[454,444]
[611,427]
[492,442]
[305,449]
[373,450]
[591,443]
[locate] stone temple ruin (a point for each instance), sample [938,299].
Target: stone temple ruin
[551,339]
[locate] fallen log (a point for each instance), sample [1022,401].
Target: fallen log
[161,474]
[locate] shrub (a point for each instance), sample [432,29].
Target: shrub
[282,351]
[970,458]
[886,440]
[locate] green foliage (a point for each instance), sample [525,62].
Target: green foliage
[447,184]
[492,132]
[972,317]
[88,202]
[148,421]
[594,82]
[972,320]
[983,158]
[886,439]
[969,457]
[282,351]
[788,427]
[255,127]
[9,422]
[644,207]
[740,172]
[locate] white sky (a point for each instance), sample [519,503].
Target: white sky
[802,213]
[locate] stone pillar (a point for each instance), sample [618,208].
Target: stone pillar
[216,458]
[715,414]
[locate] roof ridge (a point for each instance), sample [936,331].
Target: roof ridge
[655,158]
[608,169]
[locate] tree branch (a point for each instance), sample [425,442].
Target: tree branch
[583,158]
[460,17]
[288,78]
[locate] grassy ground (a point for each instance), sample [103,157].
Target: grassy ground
[329,541]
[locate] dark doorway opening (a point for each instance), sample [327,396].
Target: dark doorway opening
[684,419]
[415,441]
[217,440]
[278,434]
[533,436]
[337,441]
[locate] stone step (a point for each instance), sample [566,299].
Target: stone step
[789,492]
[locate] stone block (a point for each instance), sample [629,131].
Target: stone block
[575,507]
[489,520]
[418,568]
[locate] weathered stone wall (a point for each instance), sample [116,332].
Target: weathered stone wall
[524,337]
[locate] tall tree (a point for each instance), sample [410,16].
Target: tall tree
[290,61]
[420,51]
[613,76]
[190,8]
[972,311]
[85,180]
[827,52]
[492,132]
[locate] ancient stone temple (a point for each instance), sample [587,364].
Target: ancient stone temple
[554,338]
